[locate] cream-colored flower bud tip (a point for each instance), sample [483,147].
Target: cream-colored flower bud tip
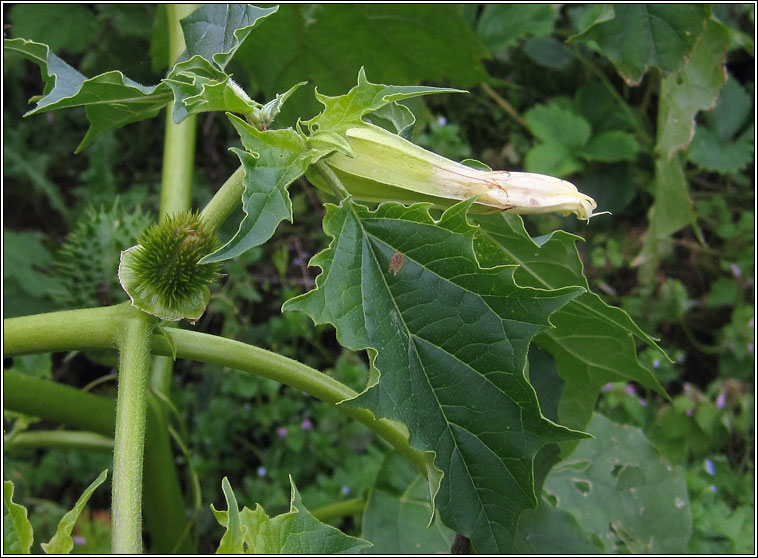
[385,158]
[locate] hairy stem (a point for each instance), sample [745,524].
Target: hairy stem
[332,179]
[71,330]
[58,439]
[234,354]
[90,328]
[225,201]
[178,166]
[164,507]
[129,440]
[179,139]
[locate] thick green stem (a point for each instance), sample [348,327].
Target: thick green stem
[178,165]
[128,452]
[206,348]
[164,507]
[225,201]
[58,439]
[179,140]
[90,328]
[234,354]
[178,162]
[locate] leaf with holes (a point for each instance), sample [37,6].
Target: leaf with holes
[621,490]
[449,341]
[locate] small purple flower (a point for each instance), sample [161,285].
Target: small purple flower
[306,424]
[345,490]
[690,412]
[608,387]
[79,540]
[643,402]
[751,323]
[736,270]
[656,364]
[687,388]
[442,121]
[261,471]
[721,400]
[282,431]
[630,389]
[681,358]
[709,466]
[713,489]
[750,347]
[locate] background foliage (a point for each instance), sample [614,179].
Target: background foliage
[660,135]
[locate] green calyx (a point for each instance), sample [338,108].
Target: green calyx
[162,275]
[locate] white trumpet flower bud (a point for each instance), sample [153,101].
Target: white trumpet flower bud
[384,166]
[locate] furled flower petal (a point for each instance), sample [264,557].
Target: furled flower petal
[382,165]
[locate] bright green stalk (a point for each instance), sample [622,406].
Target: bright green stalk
[91,328]
[225,201]
[234,354]
[164,507]
[58,439]
[70,330]
[128,453]
[339,509]
[178,165]
[179,141]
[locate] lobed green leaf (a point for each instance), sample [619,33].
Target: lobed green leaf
[396,518]
[216,31]
[272,160]
[17,531]
[449,340]
[693,88]
[295,532]
[345,111]
[199,86]
[636,37]
[62,543]
[585,364]
[112,100]
[618,488]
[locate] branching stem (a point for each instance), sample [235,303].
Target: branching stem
[71,330]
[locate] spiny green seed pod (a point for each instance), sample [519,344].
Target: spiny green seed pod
[86,263]
[383,166]
[162,275]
